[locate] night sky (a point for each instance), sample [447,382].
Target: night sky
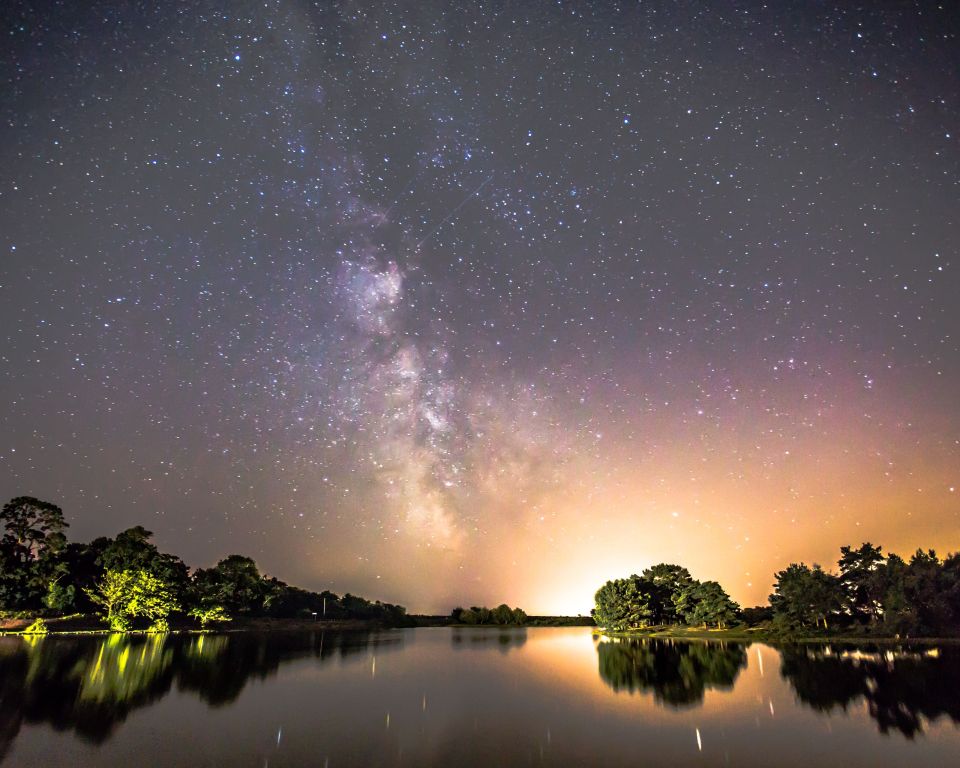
[447,303]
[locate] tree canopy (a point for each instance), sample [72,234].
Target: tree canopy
[872,592]
[503,614]
[664,594]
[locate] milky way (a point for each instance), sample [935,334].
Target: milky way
[452,302]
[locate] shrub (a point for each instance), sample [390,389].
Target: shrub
[39,627]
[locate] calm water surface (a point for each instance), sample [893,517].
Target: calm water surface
[471,697]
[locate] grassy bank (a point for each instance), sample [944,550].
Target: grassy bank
[85,624]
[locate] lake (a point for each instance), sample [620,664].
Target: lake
[471,697]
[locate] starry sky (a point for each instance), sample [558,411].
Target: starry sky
[451,302]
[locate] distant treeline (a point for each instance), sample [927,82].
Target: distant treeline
[502,614]
[127,579]
[870,594]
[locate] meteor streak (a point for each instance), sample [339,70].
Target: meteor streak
[450,215]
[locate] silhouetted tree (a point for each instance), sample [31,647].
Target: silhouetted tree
[33,539]
[803,597]
[234,583]
[862,580]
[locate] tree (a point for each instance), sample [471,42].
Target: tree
[861,578]
[30,548]
[925,588]
[824,597]
[128,594]
[791,603]
[60,597]
[207,616]
[712,605]
[667,584]
[132,550]
[484,615]
[685,601]
[153,598]
[950,584]
[623,604]
[32,525]
[113,593]
[234,582]
[757,615]
[899,615]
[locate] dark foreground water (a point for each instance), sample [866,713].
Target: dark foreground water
[471,697]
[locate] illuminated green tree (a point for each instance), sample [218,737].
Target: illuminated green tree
[125,595]
[208,616]
[132,550]
[153,598]
[113,593]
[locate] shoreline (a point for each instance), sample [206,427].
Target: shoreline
[763,636]
[86,625]
[93,627]
[81,624]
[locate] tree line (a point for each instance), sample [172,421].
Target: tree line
[128,580]
[871,592]
[503,614]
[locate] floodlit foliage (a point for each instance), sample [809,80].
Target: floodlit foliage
[113,594]
[125,595]
[208,616]
[39,627]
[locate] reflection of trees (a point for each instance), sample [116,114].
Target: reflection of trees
[504,639]
[90,685]
[677,673]
[900,688]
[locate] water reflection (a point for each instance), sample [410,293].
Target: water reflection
[90,685]
[901,688]
[678,673]
[504,639]
[469,697]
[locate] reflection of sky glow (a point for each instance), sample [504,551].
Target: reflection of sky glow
[439,693]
